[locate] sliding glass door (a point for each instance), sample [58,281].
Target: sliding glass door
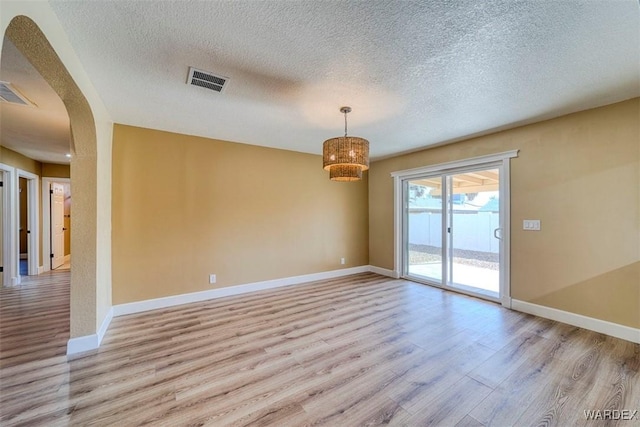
[453,230]
[474,232]
[425,257]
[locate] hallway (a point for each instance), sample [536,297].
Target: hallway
[34,319]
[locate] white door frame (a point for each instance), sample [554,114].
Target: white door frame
[46,219]
[10,228]
[400,177]
[33,207]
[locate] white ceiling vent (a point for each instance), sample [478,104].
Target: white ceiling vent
[206,79]
[8,93]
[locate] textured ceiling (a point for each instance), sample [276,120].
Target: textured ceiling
[416,73]
[40,132]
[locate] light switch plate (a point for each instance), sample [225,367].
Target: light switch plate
[531,224]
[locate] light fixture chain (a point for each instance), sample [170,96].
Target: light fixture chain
[345,123]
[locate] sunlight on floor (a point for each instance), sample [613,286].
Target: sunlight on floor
[466,275]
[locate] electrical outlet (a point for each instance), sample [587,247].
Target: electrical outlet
[212,278]
[342,261]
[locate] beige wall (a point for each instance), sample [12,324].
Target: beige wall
[580,175]
[603,284]
[51,170]
[17,160]
[185,207]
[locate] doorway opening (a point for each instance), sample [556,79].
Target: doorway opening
[452,224]
[56,223]
[23,230]
[28,236]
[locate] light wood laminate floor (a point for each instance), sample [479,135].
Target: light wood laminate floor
[359,350]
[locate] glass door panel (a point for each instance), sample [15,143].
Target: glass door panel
[473,231]
[424,249]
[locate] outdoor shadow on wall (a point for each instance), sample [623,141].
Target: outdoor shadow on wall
[613,296]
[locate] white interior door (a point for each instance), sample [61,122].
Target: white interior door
[57,225]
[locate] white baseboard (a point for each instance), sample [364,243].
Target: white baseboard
[615,330]
[67,258]
[105,325]
[384,271]
[24,256]
[90,342]
[82,344]
[41,269]
[154,304]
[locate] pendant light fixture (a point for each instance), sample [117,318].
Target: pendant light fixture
[345,157]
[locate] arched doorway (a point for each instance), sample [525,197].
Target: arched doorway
[91,270]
